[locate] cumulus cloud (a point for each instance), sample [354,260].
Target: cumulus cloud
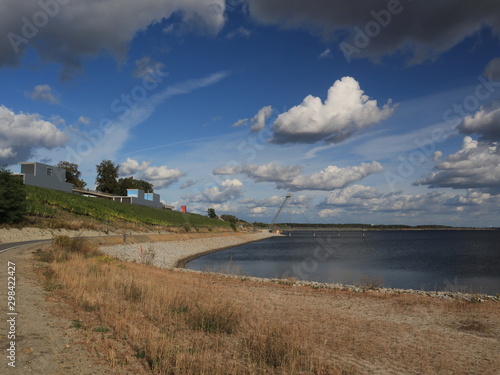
[131,167]
[365,200]
[298,204]
[43,93]
[67,33]
[21,134]
[485,122]
[493,69]
[437,155]
[271,172]
[258,122]
[160,177]
[422,29]
[227,190]
[368,199]
[332,177]
[290,177]
[475,165]
[346,111]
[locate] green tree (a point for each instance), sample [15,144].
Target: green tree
[229,218]
[72,174]
[106,180]
[211,213]
[12,197]
[132,183]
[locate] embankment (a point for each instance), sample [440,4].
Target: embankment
[176,250]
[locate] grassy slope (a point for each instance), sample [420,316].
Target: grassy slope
[53,204]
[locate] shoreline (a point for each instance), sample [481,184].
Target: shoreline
[175,250]
[176,254]
[467,297]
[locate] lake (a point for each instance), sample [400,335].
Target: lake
[466,261]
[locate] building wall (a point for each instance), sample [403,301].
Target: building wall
[46,176]
[144,199]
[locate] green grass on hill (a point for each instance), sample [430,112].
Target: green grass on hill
[47,203]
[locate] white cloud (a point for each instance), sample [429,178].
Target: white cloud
[131,167]
[475,165]
[187,184]
[332,177]
[346,111]
[368,199]
[21,134]
[485,122]
[160,177]
[148,69]
[259,120]
[43,93]
[493,69]
[271,172]
[412,27]
[437,155]
[239,32]
[298,204]
[84,120]
[227,190]
[101,26]
[363,201]
[240,122]
[326,53]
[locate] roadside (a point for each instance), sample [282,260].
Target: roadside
[46,341]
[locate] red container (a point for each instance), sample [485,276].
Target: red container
[183,209]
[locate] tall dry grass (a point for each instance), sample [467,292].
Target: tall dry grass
[181,323]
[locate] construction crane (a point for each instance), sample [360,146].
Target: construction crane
[287,197]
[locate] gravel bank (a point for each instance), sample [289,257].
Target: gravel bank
[172,254]
[29,234]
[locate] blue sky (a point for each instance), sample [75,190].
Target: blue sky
[381,112]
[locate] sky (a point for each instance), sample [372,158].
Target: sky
[381,112]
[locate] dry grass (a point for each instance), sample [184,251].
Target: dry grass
[184,323]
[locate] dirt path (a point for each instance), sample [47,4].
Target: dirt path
[46,341]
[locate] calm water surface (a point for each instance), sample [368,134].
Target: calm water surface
[466,261]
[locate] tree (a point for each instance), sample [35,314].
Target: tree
[106,180]
[211,213]
[72,174]
[132,183]
[12,197]
[229,218]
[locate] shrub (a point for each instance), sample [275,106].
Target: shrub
[12,198]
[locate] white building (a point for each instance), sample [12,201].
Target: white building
[137,196]
[46,176]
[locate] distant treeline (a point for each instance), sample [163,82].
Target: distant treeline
[352,225]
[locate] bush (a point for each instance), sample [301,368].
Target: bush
[12,198]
